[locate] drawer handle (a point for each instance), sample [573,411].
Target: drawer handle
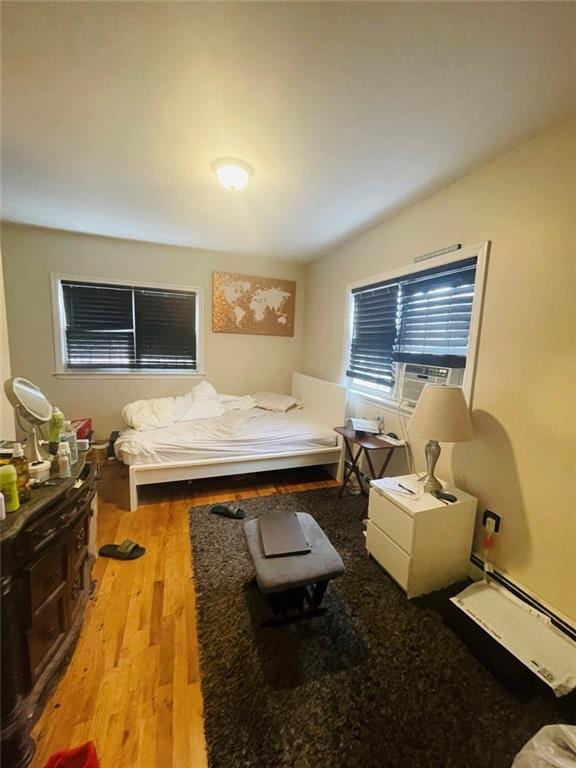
[80,539]
[46,533]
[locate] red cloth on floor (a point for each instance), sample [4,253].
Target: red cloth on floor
[79,757]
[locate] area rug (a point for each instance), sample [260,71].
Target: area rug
[378,681]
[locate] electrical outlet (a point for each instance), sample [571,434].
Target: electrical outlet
[489,515]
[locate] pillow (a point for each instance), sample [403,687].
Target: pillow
[271,401]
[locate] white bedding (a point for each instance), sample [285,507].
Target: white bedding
[235,433]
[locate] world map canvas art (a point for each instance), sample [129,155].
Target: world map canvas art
[249,304]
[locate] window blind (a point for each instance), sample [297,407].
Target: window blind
[115,327]
[373,334]
[434,311]
[165,329]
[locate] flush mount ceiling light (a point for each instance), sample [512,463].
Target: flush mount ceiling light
[232,173]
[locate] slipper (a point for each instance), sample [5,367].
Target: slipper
[233,512]
[128,550]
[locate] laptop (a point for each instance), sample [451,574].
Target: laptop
[282,535]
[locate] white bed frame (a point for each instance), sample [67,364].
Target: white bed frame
[326,400]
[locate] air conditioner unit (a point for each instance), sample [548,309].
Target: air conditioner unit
[414,378]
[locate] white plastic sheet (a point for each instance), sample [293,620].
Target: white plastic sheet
[554,746]
[524,631]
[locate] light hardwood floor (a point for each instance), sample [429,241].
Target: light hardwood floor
[133,684]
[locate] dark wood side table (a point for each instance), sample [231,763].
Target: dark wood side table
[364,443]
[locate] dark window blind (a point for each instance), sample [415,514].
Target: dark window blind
[165,329]
[110,327]
[373,334]
[434,310]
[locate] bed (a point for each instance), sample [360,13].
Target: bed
[240,441]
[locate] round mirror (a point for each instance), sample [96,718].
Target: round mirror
[28,399]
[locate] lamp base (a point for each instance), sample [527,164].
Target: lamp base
[432,452]
[431,483]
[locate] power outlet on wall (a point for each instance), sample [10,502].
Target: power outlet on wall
[489,515]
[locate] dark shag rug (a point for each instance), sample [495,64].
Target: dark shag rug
[377,682]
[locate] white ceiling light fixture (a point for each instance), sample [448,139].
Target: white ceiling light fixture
[232,173]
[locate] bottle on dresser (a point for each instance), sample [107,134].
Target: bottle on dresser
[9,487]
[20,464]
[63,459]
[55,428]
[69,436]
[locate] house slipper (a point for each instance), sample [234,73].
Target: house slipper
[128,550]
[233,512]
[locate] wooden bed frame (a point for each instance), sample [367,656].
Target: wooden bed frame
[325,399]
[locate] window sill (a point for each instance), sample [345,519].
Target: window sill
[127,375]
[381,401]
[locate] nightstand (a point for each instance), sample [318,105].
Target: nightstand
[423,543]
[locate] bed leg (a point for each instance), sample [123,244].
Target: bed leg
[133,491]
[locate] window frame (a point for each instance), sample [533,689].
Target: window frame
[480,252]
[59,330]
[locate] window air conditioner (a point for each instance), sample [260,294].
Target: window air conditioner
[415,377]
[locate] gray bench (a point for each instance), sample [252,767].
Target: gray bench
[295,582]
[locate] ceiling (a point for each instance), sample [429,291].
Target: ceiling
[113,112]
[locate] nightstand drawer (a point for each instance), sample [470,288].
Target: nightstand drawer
[388,554]
[391,519]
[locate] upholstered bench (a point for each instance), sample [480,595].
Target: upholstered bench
[295,582]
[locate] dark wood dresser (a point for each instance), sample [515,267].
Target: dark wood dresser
[45,584]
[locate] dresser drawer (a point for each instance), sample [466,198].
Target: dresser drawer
[388,554]
[396,523]
[45,636]
[47,575]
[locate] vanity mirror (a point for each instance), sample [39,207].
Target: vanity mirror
[32,409]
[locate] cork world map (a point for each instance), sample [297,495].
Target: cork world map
[250,304]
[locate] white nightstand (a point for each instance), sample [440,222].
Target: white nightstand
[423,543]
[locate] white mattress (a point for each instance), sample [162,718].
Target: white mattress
[236,433]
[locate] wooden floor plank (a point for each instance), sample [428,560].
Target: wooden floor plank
[133,684]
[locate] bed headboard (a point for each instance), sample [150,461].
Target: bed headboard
[327,400]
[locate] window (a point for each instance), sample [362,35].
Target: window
[434,312]
[423,316]
[374,328]
[117,327]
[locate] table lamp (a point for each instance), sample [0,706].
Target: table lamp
[441,415]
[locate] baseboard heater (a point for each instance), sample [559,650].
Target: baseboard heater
[512,636]
[499,578]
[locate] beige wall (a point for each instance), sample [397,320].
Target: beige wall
[234,363]
[7,427]
[522,462]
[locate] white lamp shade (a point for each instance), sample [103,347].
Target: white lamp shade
[442,414]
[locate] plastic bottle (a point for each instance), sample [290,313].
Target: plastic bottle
[23,475]
[69,435]
[9,487]
[63,458]
[2,507]
[55,428]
